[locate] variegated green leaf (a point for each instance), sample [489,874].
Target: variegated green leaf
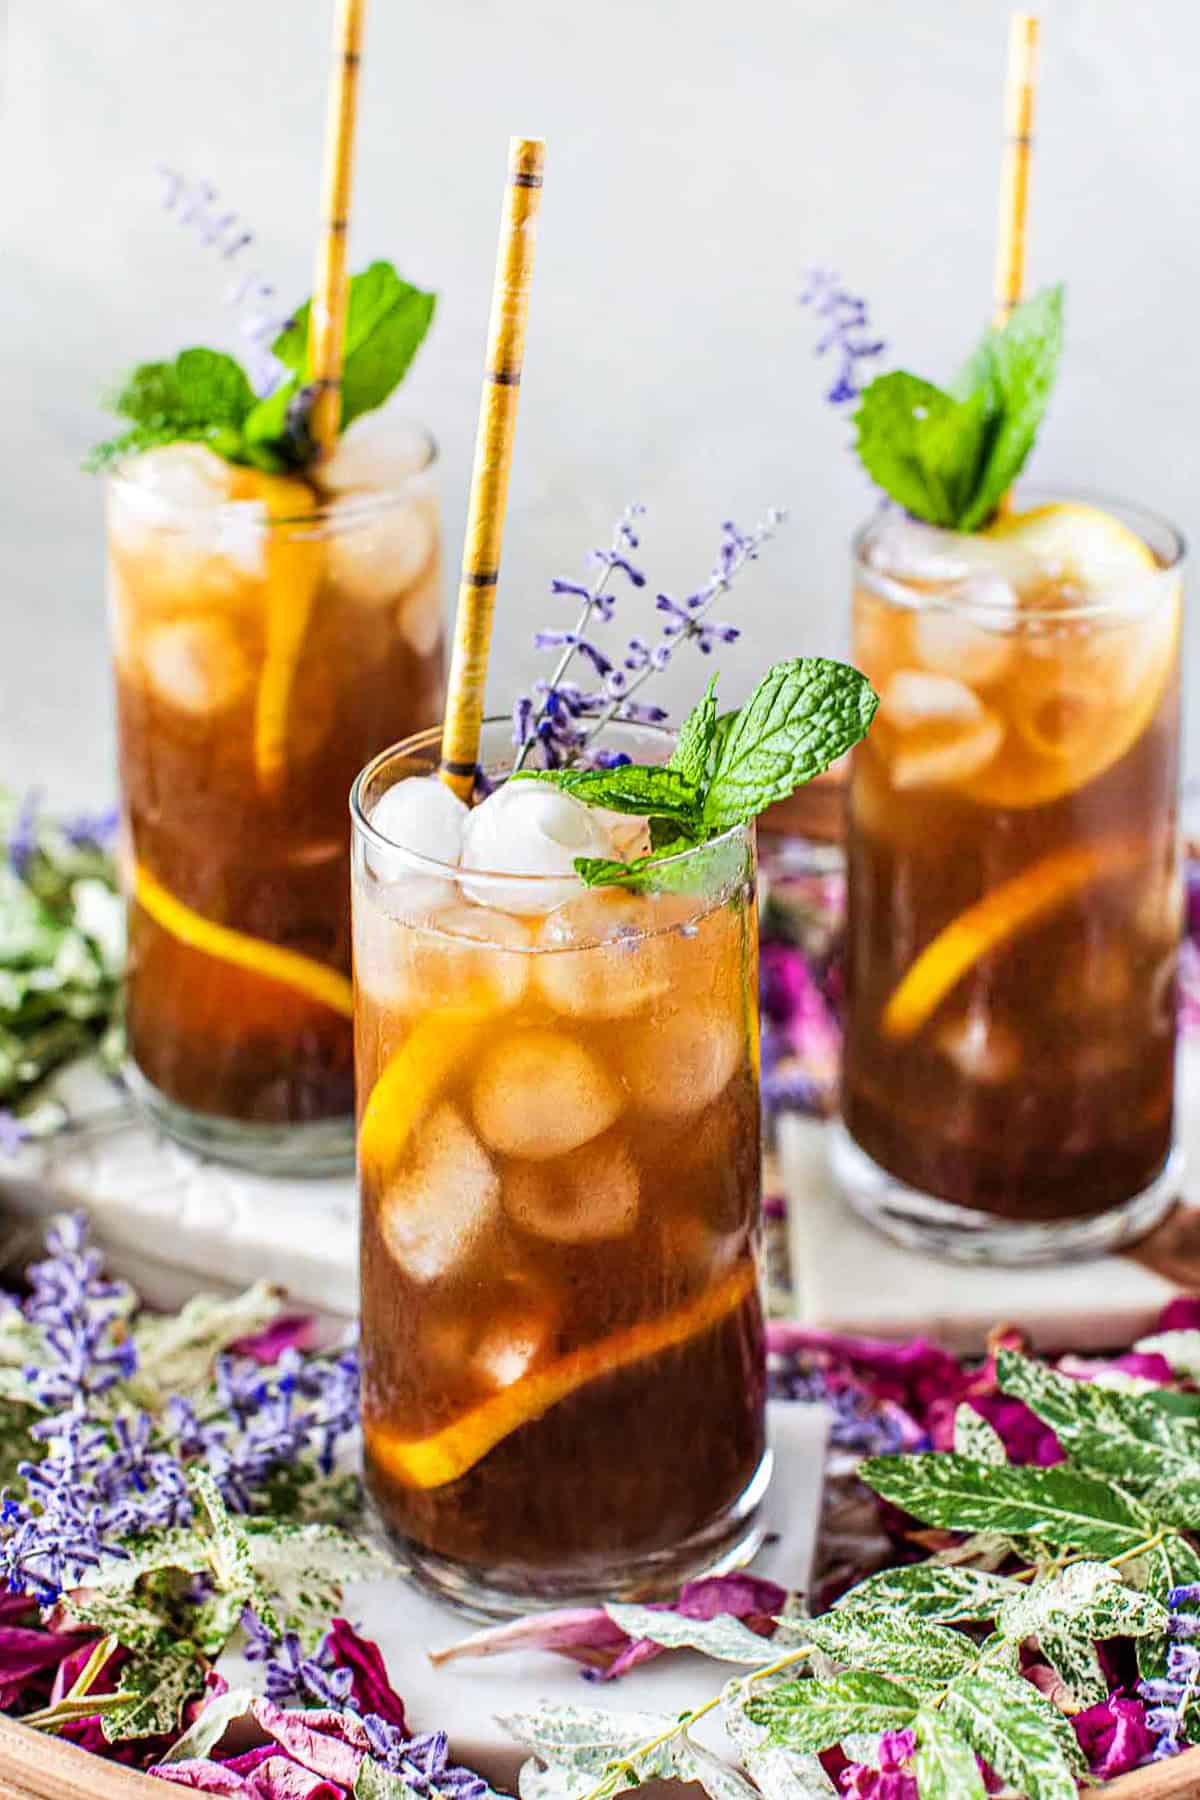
[975,1438]
[304,1569]
[1006,1721]
[691,1761]
[1073,1658]
[177,1351]
[884,1641]
[815,1715]
[724,1638]
[1173,1563]
[938,1592]
[584,1737]
[778,1774]
[206,1731]
[162,1678]
[136,1626]
[1089,1596]
[1071,1510]
[231,1557]
[945,1765]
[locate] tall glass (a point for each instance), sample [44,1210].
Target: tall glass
[266,642]
[562,1335]
[1015,905]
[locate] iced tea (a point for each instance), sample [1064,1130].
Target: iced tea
[1014,886]
[269,636]
[562,1335]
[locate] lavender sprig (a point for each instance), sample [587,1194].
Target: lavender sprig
[423,1762]
[846,335]
[293,1677]
[110,1470]
[551,720]
[562,720]
[1169,1697]
[197,207]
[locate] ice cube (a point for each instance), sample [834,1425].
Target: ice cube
[680,1064]
[516,1333]
[437,1213]
[539,1094]
[623,965]
[913,697]
[419,619]
[929,556]
[588,1197]
[423,816]
[529,828]
[377,547]
[196,666]
[374,456]
[461,957]
[982,1048]
[950,643]
[174,510]
[942,758]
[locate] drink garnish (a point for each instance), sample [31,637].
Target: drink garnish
[261,419]
[726,767]
[434,1461]
[1039,889]
[949,455]
[316,980]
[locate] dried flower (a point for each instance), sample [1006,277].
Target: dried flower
[561,720]
[846,334]
[197,207]
[292,1676]
[1169,1697]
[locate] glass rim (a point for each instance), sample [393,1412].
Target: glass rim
[342,509]
[428,865]
[900,589]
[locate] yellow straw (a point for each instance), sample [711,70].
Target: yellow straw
[493,460]
[1019,93]
[327,317]
[294,560]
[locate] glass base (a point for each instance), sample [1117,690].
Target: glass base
[508,1593]
[316,1147]
[960,1234]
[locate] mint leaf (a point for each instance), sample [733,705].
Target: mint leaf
[633,788]
[203,396]
[921,445]
[815,1715]
[694,746]
[709,869]
[949,457]
[1074,1511]
[386,322]
[801,717]
[1012,372]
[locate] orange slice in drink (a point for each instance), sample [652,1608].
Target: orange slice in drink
[1080,693]
[1028,897]
[293,574]
[301,973]
[410,1083]
[431,1462]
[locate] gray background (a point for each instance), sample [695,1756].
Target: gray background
[700,156]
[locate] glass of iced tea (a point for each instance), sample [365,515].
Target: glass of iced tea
[1015,903]
[562,1336]
[269,634]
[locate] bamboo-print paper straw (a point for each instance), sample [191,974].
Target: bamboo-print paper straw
[493,460]
[294,561]
[1019,94]
[327,318]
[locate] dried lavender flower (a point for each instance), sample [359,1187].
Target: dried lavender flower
[196,206]
[847,333]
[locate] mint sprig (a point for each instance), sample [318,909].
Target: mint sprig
[950,456]
[726,769]
[205,396]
